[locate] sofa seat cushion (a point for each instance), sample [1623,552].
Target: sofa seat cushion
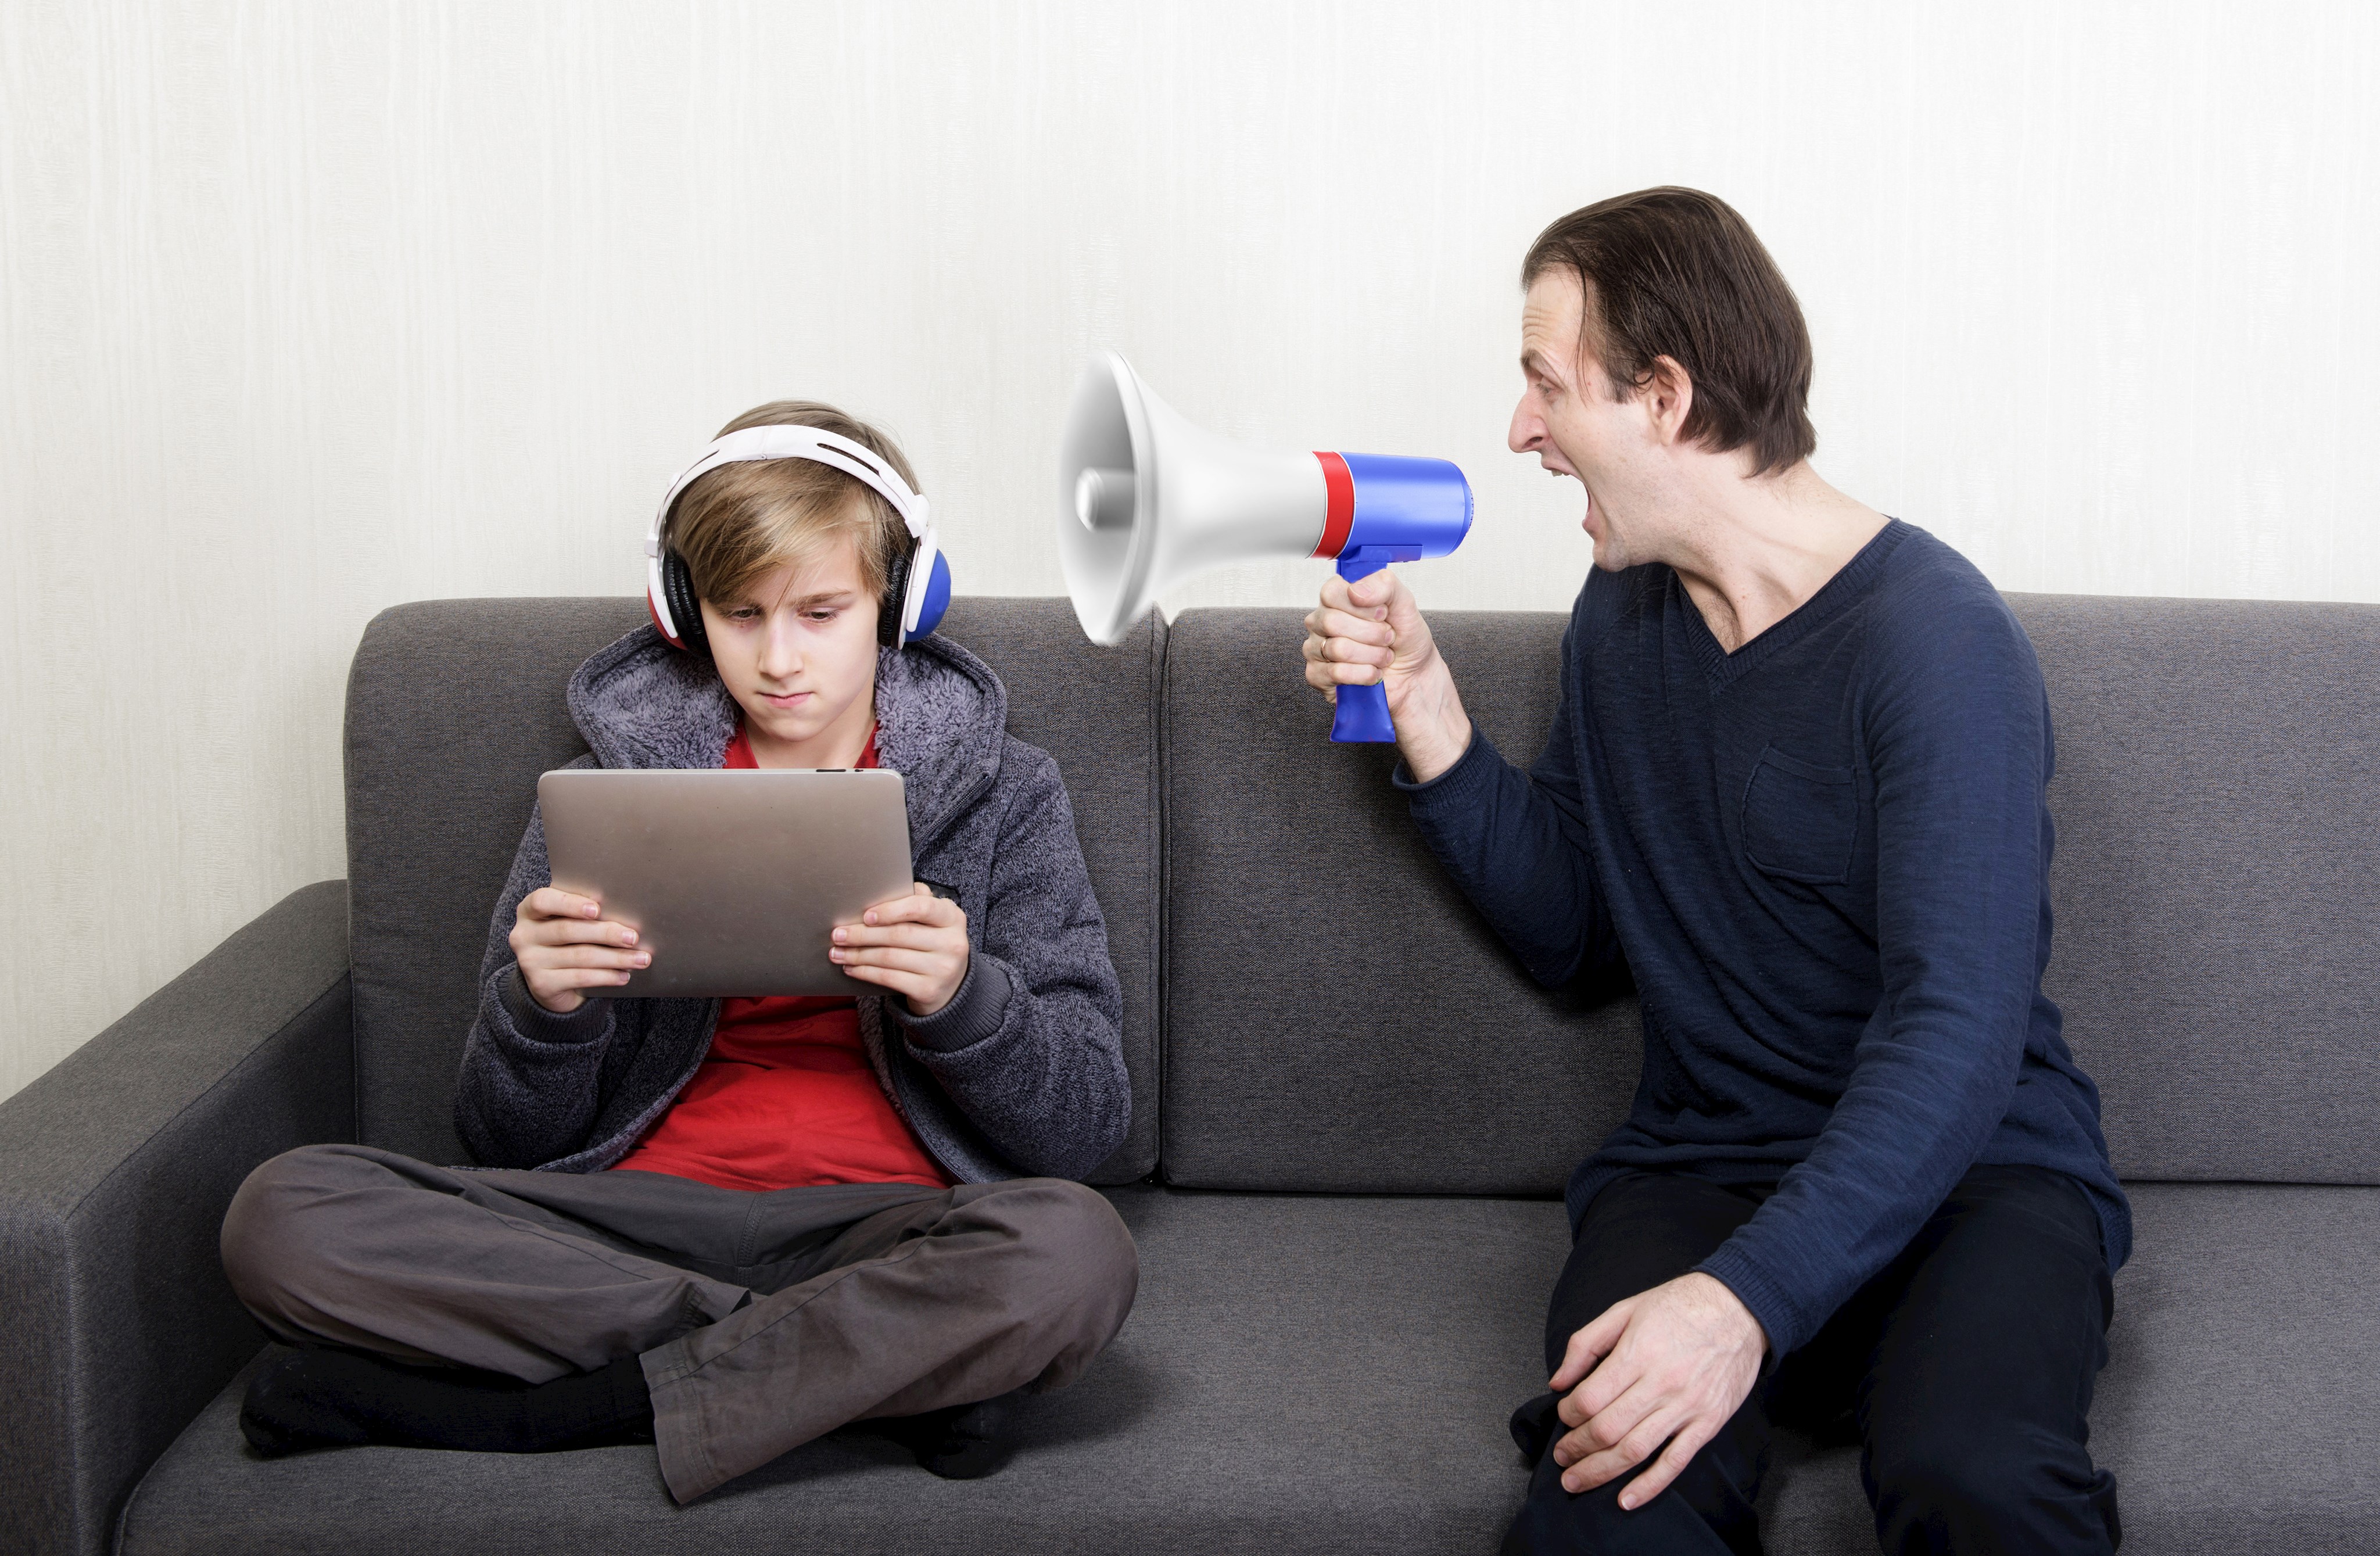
[2240,1407]
[1332,1374]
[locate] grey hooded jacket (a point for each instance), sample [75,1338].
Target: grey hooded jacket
[1022,1071]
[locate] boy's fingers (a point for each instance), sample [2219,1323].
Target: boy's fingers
[919,908]
[553,902]
[898,959]
[546,985]
[915,937]
[558,957]
[906,984]
[586,977]
[578,931]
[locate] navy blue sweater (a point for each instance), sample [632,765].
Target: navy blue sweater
[1824,859]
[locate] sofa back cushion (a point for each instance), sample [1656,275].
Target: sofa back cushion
[2216,888]
[455,706]
[1337,1017]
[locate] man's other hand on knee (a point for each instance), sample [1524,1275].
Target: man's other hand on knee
[1669,1367]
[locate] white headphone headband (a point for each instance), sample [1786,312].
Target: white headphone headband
[792,441]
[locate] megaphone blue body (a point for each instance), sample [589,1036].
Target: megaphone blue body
[1398,509]
[1147,499]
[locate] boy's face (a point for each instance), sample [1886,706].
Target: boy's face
[799,653]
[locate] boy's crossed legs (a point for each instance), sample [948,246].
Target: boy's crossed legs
[761,1320]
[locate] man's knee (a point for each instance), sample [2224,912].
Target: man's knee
[1961,1484]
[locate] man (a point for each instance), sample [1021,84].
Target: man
[1795,787]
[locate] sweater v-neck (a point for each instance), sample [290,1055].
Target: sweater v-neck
[1724,669]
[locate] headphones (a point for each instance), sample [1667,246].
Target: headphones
[916,590]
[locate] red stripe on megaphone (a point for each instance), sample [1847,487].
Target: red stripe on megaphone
[1340,514]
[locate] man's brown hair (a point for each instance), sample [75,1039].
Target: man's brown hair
[741,521]
[1676,273]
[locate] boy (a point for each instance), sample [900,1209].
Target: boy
[727,1227]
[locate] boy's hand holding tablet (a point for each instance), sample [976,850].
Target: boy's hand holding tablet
[916,946]
[564,945]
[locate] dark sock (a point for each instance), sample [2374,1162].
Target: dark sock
[960,1441]
[333,1399]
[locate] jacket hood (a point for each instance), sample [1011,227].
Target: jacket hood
[941,714]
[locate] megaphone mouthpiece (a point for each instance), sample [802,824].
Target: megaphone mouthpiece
[1103,499]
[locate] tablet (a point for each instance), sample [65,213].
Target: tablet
[733,879]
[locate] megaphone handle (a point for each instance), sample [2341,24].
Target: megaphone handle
[1363,712]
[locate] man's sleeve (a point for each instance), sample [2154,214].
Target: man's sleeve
[1959,746]
[1517,844]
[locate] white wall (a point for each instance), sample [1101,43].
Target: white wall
[307,309]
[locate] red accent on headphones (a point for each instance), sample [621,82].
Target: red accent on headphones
[653,612]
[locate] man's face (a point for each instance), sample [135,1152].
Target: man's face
[799,650]
[1570,420]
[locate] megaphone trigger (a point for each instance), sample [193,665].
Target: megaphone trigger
[1147,500]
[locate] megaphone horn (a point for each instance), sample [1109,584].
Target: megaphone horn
[1147,500]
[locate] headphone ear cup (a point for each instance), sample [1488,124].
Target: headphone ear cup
[890,610]
[684,609]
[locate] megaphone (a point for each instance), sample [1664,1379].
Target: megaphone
[1147,499]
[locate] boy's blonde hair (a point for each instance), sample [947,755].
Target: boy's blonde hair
[741,521]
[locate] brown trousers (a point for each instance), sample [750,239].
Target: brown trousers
[763,1321]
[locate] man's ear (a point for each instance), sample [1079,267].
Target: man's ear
[1668,395]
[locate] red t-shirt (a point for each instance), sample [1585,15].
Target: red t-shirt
[785,1097]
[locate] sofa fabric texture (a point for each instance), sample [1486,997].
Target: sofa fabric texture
[1338,1017]
[1328,1375]
[2217,879]
[116,1168]
[1365,1111]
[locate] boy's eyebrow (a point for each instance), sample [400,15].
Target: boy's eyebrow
[823,597]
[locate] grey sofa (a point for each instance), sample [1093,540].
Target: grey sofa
[1353,1113]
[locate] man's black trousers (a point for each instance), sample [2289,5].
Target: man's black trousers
[1964,1370]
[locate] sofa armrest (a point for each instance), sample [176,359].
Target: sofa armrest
[115,1170]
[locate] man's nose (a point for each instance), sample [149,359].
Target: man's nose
[1528,428]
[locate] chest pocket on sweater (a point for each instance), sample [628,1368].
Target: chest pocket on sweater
[1799,819]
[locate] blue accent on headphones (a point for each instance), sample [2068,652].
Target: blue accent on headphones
[936,599]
